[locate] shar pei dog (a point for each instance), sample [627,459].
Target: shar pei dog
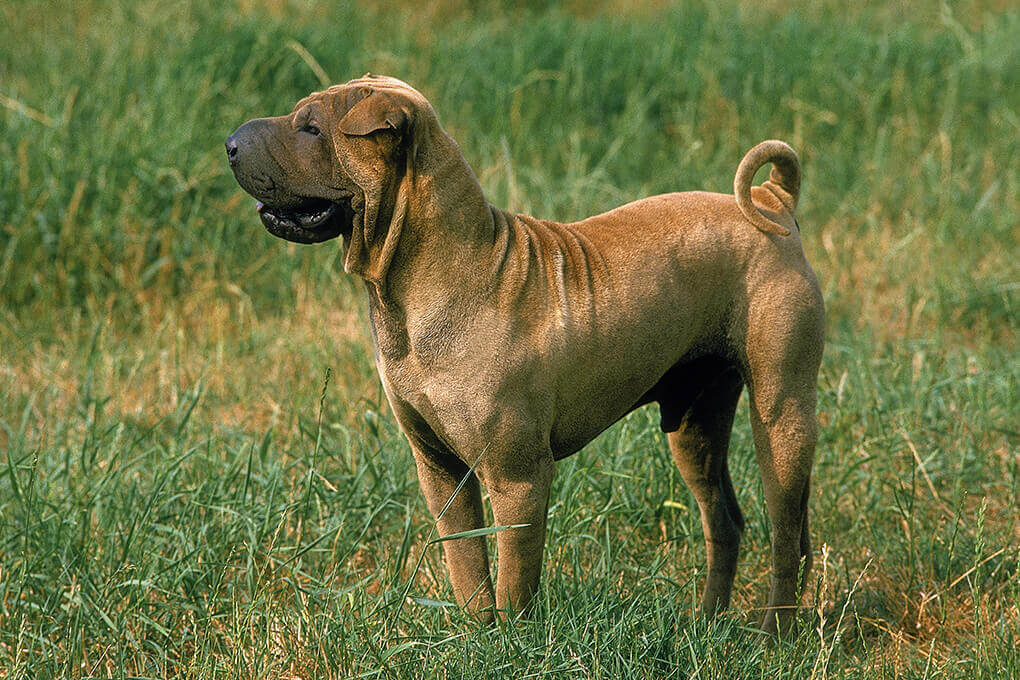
[505,342]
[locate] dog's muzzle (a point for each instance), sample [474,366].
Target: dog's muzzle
[302,219]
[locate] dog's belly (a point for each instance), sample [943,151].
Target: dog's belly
[599,401]
[674,390]
[570,435]
[621,372]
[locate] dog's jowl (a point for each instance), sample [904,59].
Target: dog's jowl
[507,342]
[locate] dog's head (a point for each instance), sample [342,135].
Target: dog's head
[341,163]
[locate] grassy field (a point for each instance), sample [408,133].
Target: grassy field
[200,477]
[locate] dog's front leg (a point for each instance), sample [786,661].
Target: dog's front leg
[519,496]
[467,559]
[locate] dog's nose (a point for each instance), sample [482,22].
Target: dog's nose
[231,149]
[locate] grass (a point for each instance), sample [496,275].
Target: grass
[199,476]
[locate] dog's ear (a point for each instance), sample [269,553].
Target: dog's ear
[375,111]
[373,242]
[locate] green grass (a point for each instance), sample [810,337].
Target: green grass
[185,493]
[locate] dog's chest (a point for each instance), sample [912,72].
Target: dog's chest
[426,429]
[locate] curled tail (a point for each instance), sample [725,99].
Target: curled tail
[783,182]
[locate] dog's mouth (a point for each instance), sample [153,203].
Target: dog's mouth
[313,221]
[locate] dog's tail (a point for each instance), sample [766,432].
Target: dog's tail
[783,182]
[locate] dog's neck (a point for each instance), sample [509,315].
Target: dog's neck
[458,256]
[439,273]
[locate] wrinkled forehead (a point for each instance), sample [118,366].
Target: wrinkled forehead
[342,97]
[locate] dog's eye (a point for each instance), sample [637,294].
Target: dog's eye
[311,129]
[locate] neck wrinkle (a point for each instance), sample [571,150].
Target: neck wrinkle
[439,274]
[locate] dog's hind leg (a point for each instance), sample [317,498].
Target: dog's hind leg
[785,444]
[700,442]
[783,355]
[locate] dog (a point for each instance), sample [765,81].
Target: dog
[505,343]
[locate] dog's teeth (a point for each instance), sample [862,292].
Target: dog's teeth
[310,219]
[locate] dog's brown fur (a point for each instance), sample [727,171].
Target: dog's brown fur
[509,342]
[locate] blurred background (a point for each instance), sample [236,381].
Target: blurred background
[198,471]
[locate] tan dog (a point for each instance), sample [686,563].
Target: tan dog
[509,342]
